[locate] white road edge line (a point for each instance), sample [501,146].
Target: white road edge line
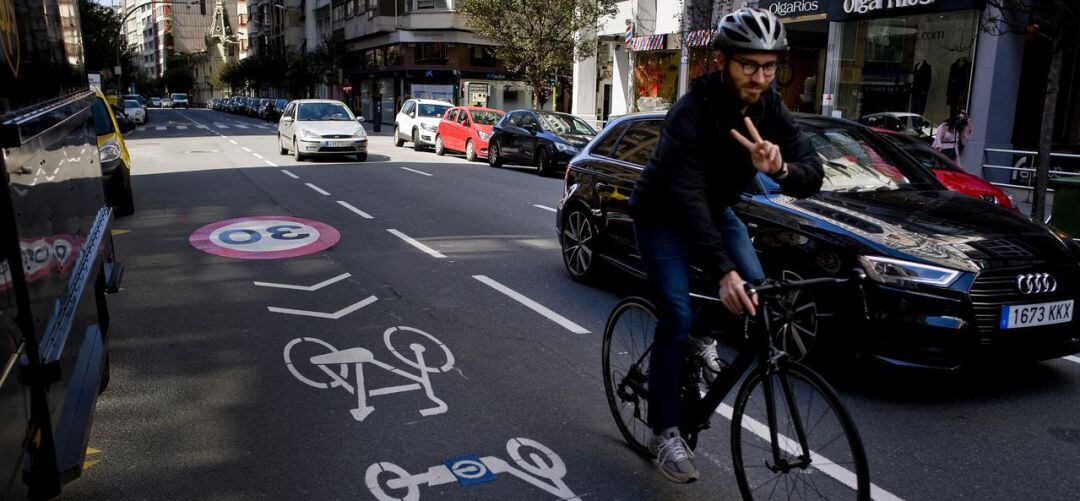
[290,174]
[823,464]
[1072,359]
[318,314]
[416,171]
[533,305]
[308,288]
[245,148]
[358,212]
[411,241]
[545,207]
[319,190]
[260,157]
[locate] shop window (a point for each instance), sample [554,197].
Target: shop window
[431,53]
[394,55]
[482,55]
[656,77]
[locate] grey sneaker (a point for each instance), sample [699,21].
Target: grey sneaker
[703,351]
[674,458]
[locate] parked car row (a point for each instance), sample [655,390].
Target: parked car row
[258,107]
[952,280]
[543,139]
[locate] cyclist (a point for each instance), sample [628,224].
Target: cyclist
[710,150]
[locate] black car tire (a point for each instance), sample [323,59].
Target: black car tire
[470,151]
[119,194]
[579,241]
[494,157]
[299,157]
[440,148]
[397,138]
[543,162]
[361,157]
[416,140]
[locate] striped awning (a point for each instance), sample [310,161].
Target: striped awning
[651,42]
[698,38]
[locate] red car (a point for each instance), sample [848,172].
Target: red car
[948,172]
[466,129]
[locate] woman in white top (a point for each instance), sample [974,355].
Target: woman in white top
[953,134]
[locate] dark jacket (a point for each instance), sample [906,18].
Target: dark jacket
[697,169]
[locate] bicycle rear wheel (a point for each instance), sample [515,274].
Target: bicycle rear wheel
[628,337]
[835,467]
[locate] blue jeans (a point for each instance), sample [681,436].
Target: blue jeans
[665,252]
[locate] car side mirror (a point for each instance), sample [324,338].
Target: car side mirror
[126,126]
[412,114]
[360,119]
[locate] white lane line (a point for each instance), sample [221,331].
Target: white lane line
[545,207]
[416,171]
[318,314]
[238,126]
[358,212]
[290,174]
[257,156]
[201,126]
[307,288]
[272,164]
[818,462]
[181,127]
[245,148]
[231,141]
[409,240]
[1073,359]
[160,127]
[533,305]
[221,126]
[316,188]
[140,129]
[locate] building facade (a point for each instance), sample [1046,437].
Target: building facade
[158,31]
[226,42]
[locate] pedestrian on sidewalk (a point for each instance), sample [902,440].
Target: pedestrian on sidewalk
[953,134]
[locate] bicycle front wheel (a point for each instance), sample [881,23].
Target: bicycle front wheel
[628,338]
[830,463]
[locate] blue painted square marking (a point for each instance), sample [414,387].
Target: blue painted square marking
[469,470]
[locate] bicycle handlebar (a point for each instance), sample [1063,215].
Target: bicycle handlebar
[785,286]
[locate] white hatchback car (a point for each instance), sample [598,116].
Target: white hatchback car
[134,111]
[418,121]
[321,127]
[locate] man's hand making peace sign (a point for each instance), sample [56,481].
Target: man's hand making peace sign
[764,154]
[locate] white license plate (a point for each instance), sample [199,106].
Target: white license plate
[338,143]
[1032,315]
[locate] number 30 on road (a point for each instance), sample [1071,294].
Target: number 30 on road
[264,237]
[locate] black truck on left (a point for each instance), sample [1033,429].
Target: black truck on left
[57,263]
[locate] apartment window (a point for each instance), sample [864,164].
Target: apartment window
[431,53]
[339,13]
[349,8]
[431,4]
[482,55]
[394,55]
[372,4]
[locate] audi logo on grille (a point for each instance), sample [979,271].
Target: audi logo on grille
[1036,283]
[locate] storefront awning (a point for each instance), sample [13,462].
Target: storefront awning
[651,42]
[698,38]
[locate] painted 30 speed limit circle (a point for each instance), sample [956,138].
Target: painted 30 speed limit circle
[264,237]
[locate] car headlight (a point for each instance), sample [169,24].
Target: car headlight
[565,148]
[360,132]
[109,151]
[308,133]
[429,127]
[897,272]
[483,135]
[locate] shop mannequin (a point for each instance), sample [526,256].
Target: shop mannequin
[920,87]
[957,89]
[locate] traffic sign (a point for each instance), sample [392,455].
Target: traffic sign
[264,237]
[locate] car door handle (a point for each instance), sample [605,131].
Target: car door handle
[605,188]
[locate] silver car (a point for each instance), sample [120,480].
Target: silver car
[321,127]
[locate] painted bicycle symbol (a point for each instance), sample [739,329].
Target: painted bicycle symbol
[532,462]
[336,365]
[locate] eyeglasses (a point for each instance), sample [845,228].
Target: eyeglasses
[751,67]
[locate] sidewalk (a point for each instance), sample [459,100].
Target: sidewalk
[387,130]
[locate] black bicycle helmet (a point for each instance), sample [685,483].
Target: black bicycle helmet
[752,30]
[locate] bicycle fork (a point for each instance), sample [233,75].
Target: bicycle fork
[780,463]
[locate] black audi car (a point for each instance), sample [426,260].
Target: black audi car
[954,279]
[542,139]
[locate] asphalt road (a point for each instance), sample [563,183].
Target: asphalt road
[214,394]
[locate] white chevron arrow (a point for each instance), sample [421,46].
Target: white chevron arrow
[318,314]
[307,288]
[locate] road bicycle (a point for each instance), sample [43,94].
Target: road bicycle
[790,435]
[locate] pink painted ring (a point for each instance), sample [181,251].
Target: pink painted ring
[201,239]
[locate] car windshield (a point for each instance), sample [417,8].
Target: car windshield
[566,124]
[860,161]
[485,117]
[179,96]
[431,110]
[131,103]
[324,112]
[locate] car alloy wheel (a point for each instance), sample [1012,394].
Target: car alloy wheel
[543,163]
[494,159]
[416,140]
[579,245]
[470,151]
[397,138]
[439,146]
[797,333]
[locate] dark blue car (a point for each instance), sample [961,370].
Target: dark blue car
[542,139]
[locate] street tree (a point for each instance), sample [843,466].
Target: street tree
[177,75]
[538,38]
[102,36]
[1057,22]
